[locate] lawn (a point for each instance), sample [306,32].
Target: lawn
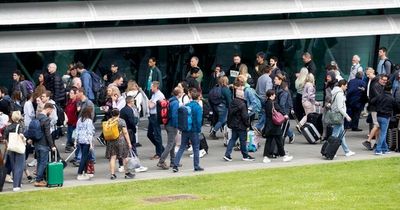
[372,184]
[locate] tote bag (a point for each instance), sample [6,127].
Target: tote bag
[16,142]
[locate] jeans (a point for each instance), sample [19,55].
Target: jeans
[290,133]
[70,141]
[261,121]
[78,154]
[85,149]
[194,137]
[170,148]
[154,134]
[242,135]
[222,116]
[336,131]
[18,166]
[381,145]
[42,154]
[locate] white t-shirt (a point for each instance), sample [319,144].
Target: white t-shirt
[157,96]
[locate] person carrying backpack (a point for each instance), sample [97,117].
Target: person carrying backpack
[190,132]
[220,103]
[44,144]
[171,128]
[239,122]
[87,80]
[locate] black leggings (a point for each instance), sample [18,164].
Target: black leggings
[271,143]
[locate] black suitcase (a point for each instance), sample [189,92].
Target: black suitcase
[285,126]
[311,133]
[392,139]
[316,119]
[331,146]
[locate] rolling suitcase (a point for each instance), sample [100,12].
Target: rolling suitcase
[285,126]
[55,172]
[315,118]
[331,146]
[311,133]
[392,138]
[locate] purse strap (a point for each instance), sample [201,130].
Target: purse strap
[16,129]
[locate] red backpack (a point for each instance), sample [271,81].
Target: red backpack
[162,111]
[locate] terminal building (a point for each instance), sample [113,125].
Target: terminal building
[128,32]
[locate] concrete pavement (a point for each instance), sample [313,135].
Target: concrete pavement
[304,154]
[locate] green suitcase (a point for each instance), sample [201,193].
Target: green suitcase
[55,173]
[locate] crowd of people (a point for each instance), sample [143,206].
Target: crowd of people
[239,102]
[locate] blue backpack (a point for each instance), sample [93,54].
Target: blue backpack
[185,121]
[35,131]
[215,96]
[97,82]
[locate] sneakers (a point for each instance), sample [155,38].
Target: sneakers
[367,145]
[298,128]
[162,166]
[287,158]
[141,169]
[101,141]
[386,153]
[350,153]
[378,153]
[69,149]
[228,158]
[199,169]
[113,177]
[16,189]
[8,179]
[32,163]
[121,169]
[138,145]
[155,157]
[190,149]
[40,184]
[83,177]
[176,150]
[129,175]
[248,158]
[266,160]
[90,175]
[291,139]
[175,169]
[213,136]
[30,179]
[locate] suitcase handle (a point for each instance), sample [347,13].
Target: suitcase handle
[55,156]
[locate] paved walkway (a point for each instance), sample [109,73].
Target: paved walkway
[304,154]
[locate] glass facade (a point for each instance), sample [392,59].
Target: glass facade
[174,60]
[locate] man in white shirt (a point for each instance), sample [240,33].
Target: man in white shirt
[154,128]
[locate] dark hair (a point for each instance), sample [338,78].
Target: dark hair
[176,91]
[194,94]
[194,70]
[153,59]
[81,90]
[218,65]
[115,112]
[270,92]
[236,55]
[48,93]
[16,96]
[388,87]
[17,72]
[359,75]
[274,58]
[79,65]
[266,69]
[3,90]
[383,49]
[261,55]
[86,113]
[341,83]
[117,77]
[48,106]
[185,87]
[383,75]
[74,89]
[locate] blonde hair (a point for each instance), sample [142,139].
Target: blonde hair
[115,91]
[243,70]
[223,81]
[240,80]
[16,116]
[301,79]
[132,85]
[310,78]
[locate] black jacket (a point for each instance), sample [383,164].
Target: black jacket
[238,118]
[311,67]
[127,114]
[47,139]
[54,83]
[375,89]
[385,105]
[270,128]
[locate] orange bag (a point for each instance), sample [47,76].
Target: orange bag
[110,130]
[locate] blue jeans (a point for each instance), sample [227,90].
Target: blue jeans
[154,134]
[222,116]
[85,156]
[70,141]
[18,166]
[242,135]
[381,145]
[337,130]
[290,133]
[194,137]
[261,121]
[78,154]
[42,156]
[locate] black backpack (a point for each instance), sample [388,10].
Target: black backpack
[392,66]
[215,96]
[60,115]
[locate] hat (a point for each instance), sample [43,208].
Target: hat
[114,65]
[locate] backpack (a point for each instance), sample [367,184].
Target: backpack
[392,66]
[34,131]
[110,130]
[30,87]
[215,95]
[185,121]
[162,111]
[60,115]
[97,82]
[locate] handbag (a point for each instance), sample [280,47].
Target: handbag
[333,118]
[133,162]
[90,167]
[277,117]
[16,142]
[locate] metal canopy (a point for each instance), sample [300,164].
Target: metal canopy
[87,11]
[143,36]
